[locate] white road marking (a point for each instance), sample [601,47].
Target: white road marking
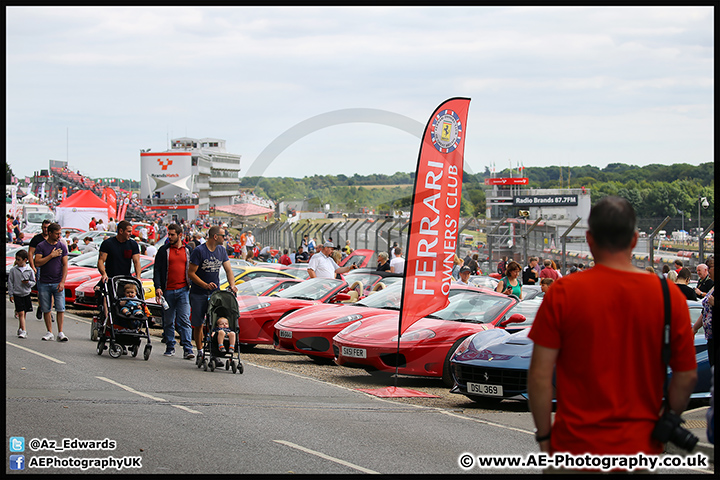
[146,395]
[326,457]
[36,353]
[132,390]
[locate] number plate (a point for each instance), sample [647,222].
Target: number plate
[284,334]
[354,352]
[489,390]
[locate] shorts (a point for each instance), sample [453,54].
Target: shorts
[198,309]
[23,304]
[48,291]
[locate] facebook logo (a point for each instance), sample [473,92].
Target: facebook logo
[17,462]
[17,444]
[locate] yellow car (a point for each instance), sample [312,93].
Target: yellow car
[243,274]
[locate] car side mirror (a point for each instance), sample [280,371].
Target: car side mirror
[515,318]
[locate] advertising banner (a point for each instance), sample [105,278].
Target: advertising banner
[434,221]
[165,174]
[507,181]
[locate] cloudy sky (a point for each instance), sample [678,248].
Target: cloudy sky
[549,86]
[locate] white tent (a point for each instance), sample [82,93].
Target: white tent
[77,210]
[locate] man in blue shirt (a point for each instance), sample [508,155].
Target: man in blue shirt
[204,272]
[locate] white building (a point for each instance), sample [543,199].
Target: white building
[190,178]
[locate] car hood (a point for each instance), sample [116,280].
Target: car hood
[495,346]
[322,315]
[381,329]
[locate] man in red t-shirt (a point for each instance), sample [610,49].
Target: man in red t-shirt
[601,332]
[172,283]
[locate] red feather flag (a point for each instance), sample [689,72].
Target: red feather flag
[434,221]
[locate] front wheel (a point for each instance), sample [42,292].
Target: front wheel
[116,350]
[447,377]
[146,352]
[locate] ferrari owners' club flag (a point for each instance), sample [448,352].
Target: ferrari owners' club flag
[434,220]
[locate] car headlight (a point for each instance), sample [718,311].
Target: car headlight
[350,328]
[346,319]
[417,335]
[463,346]
[255,307]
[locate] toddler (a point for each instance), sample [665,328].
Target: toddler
[131,308]
[20,282]
[221,329]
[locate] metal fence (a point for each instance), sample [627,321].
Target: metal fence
[518,239]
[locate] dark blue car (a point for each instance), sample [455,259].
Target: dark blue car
[491,366]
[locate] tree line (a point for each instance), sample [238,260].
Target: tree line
[654,190]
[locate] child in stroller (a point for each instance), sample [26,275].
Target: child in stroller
[222,329]
[129,307]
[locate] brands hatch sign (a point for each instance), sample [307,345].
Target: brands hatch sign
[545,200]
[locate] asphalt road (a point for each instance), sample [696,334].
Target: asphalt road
[275,418]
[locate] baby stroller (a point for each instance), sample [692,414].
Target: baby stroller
[222,303]
[122,332]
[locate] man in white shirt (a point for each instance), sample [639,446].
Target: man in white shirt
[323,266]
[397,264]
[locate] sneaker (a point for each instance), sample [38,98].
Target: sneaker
[19,331]
[22,334]
[169,352]
[61,337]
[189,355]
[48,337]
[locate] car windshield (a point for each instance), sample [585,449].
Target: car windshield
[298,272]
[38,217]
[527,308]
[472,306]
[236,269]
[312,289]
[388,298]
[255,286]
[89,259]
[367,279]
[148,273]
[483,281]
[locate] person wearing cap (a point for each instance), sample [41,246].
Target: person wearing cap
[249,244]
[464,276]
[323,266]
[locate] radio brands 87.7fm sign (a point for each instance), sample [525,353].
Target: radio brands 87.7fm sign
[545,200]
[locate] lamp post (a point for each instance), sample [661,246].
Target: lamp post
[702,201]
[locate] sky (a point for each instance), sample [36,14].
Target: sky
[548,86]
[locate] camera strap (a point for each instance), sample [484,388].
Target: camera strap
[666,338]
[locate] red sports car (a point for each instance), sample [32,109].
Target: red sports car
[264,286]
[311,329]
[360,257]
[258,315]
[425,347]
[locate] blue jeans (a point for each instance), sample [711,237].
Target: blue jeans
[46,292]
[178,315]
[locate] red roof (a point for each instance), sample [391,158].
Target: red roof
[83,199]
[245,209]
